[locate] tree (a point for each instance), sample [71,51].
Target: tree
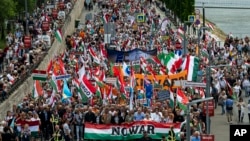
[8,9]
[181,8]
[31,4]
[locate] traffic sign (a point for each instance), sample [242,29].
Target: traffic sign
[60,77]
[191,18]
[185,83]
[193,84]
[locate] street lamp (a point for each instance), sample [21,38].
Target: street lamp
[188,134]
[26,16]
[204,18]
[199,36]
[185,40]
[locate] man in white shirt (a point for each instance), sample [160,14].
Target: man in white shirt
[156,116]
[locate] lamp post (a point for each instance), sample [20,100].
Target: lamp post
[26,18]
[188,130]
[204,18]
[185,39]
[199,38]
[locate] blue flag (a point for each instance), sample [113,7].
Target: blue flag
[148,90]
[66,91]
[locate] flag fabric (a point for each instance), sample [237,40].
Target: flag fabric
[37,89]
[66,91]
[39,75]
[148,89]
[171,61]
[172,100]
[33,126]
[143,64]
[87,88]
[56,84]
[211,26]
[58,35]
[94,56]
[114,70]
[180,32]
[182,100]
[191,65]
[105,18]
[50,65]
[110,132]
[81,94]
[125,69]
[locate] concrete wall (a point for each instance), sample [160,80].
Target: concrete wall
[57,47]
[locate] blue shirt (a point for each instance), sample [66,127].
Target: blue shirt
[138,117]
[195,138]
[229,103]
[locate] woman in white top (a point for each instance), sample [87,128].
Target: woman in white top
[248,110]
[241,107]
[237,90]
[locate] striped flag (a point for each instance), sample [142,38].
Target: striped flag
[87,87]
[58,35]
[33,126]
[39,75]
[37,89]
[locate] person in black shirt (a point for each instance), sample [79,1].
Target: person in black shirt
[90,116]
[178,118]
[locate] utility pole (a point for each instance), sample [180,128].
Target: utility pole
[204,20]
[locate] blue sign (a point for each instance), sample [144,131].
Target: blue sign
[191,18]
[60,77]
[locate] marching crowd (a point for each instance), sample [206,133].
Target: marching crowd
[64,119]
[17,58]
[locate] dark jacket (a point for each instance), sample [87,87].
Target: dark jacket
[90,117]
[119,120]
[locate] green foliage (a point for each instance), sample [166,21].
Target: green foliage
[8,9]
[31,4]
[181,8]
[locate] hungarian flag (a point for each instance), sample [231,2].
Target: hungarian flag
[94,56]
[56,84]
[191,65]
[80,92]
[37,89]
[58,35]
[33,126]
[39,75]
[103,51]
[182,99]
[87,87]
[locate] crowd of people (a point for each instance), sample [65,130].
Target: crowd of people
[17,59]
[63,116]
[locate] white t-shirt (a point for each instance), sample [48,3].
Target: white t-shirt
[237,89]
